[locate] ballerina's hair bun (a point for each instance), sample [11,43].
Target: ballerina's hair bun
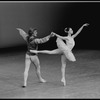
[66,29]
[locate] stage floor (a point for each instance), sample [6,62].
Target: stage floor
[82,76]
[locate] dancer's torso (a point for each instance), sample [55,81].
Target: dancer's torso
[31,46]
[70,42]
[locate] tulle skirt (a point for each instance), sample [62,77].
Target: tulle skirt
[64,48]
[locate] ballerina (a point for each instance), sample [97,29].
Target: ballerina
[32,44]
[65,49]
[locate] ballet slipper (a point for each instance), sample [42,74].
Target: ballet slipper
[33,51]
[23,86]
[64,81]
[42,80]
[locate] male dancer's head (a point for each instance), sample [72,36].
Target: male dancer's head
[32,32]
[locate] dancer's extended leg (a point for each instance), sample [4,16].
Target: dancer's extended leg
[27,66]
[36,62]
[56,51]
[63,62]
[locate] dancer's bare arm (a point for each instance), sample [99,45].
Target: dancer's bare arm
[61,37]
[80,29]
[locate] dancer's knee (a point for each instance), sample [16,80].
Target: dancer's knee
[63,65]
[37,65]
[25,73]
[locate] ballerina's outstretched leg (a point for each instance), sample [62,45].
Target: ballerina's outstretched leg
[55,51]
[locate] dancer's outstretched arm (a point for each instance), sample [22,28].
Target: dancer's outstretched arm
[80,29]
[55,51]
[61,37]
[42,40]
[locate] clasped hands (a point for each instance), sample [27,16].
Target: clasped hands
[53,34]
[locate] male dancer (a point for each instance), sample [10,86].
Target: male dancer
[32,44]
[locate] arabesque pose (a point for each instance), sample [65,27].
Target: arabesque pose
[65,49]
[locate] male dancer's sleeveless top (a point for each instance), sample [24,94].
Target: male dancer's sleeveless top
[31,46]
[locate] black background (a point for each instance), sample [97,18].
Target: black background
[75,16]
[80,13]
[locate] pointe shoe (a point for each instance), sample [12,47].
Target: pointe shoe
[23,86]
[64,82]
[42,80]
[33,51]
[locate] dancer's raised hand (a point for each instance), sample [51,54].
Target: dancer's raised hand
[86,24]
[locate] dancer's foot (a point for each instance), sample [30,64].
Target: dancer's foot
[23,86]
[33,51]
[42,80]
[64,81]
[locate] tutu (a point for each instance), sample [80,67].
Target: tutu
[64,48]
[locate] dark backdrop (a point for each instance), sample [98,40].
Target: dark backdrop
[47,17]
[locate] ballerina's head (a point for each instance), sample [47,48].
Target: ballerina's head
[68,30]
